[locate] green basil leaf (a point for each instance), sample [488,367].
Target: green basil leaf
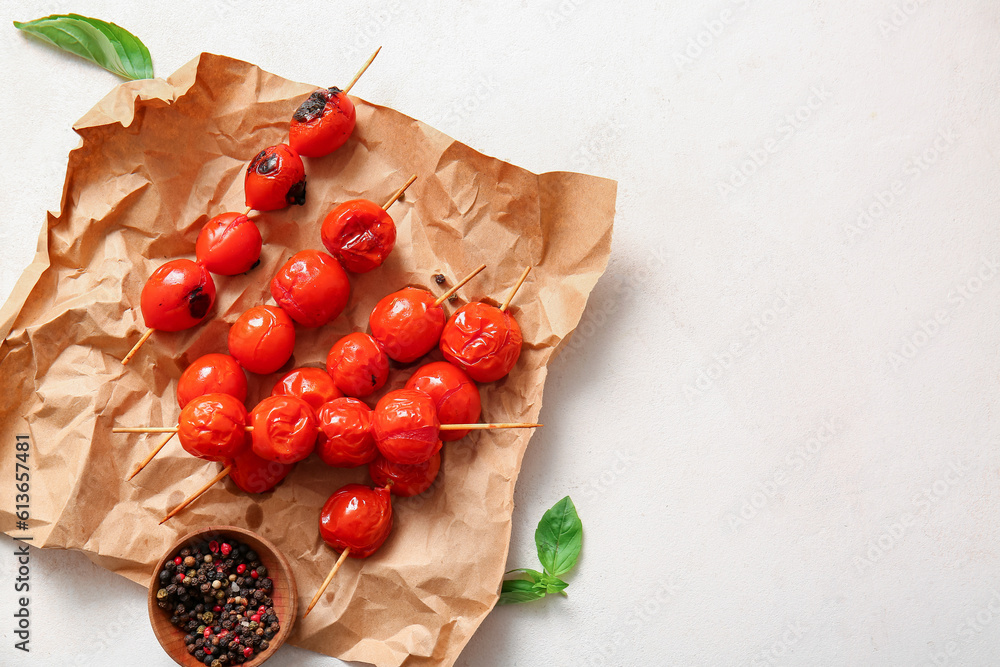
[550,584]
[519,590]
[534,575]
[106,44]
[559,537]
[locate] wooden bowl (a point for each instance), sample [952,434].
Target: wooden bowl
[283,593]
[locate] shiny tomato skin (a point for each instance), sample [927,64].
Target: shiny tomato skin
[482,340]
[312,385]
[407,324]
[256,475]
[262,339]
[406,480]
[284,429]
[177,296]
[213,427]
[455,395]
[357,517]
[359,234]
[406,427]
[345,433]
[323,123]
[275,178]
[212,374]
[358,365]
[229,244]
[312,288]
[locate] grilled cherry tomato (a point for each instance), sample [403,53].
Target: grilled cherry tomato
[357,517]
[406,427]
[262,339]
[213,427]
[276,178]
[358,365]
[345,433]
[229,244]
[407,324]
[312,385]
[360,234]
[455,395]
[212,374]
[323,123]
[284,429]
[177,296]
[406,480]
[256,475]
[312,288]
[482,340]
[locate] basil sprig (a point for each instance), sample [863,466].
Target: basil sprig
[106,44]
[558,539]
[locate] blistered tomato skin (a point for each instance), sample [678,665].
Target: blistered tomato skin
[406,480]
[256,475]
[356,517]
[229,244]
[482,340]
[323,123]
[359,234]
[312,288]
[284,429]
[407,324]
[262,339]
[358,365]
[212,374]
[405,425]
[177,296]
[345,433]
[455,395]
[213,427]
[312,385]
[275,178]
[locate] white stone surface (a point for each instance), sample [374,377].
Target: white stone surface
[829,444]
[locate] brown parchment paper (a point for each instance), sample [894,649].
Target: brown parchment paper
[159,158]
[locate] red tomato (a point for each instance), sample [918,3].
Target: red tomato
[360,234]
[358,365]
[177,296]
[406,480]
[312,288]
[312,385]
[255,475]
[407,324]
[284,429]
[345,433]
[262,339]
[405,425]
[229,244]
[276,178]
[323,123]
[212,374]
[455,395]
[356,517]
[482,340]
[213,427]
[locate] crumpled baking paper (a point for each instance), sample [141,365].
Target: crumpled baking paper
[159,158]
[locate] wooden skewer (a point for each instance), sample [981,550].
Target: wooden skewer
[154,429]
[248,211]
[361,71]
[135,348]
[326,582]
[463,427]
[399,193]
[197,494]
[444,297]
[152,454]
[510,296]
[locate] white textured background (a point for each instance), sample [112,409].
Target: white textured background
[777,418]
